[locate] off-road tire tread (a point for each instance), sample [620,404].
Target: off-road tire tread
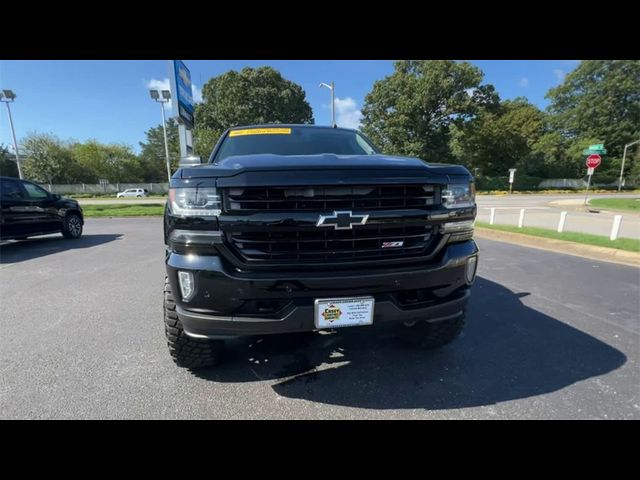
[187,351]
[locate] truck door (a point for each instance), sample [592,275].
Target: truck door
[14,216]
[41,206]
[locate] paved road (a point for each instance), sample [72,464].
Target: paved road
[549,336]
[533,200]
[542,211]
[539,212]
[514,201]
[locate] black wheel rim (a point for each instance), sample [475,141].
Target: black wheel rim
[75,226]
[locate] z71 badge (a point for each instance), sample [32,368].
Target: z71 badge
[392,244]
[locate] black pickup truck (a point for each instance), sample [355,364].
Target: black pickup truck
[293,228]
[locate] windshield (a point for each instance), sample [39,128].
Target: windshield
[293,141]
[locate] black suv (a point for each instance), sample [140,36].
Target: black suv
[295,228]
[27,210]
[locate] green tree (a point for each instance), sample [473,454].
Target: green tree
[633,166]
[204,139]
[501,138]
[152,155]
[49,159]
[250,96]
[114,162]
[411,111]
[554,158]
[599,100]
[8,167]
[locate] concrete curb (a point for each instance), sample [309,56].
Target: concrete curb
[603,254]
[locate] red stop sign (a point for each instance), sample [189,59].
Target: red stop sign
[593,161]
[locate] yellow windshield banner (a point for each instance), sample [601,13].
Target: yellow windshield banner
[260,131]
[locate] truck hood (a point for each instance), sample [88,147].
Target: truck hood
[302,169]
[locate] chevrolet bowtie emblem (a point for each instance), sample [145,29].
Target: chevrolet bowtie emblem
[342,220]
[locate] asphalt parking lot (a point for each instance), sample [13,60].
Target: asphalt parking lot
[541,211]
[548,336]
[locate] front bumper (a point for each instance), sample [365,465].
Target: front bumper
[228,302]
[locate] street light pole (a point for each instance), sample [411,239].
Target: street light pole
[624,156]
[10,97]
[333,102]
[333,105]
[166,97]
[166,142]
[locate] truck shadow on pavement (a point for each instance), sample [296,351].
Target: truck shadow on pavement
[22,250]
[507,351]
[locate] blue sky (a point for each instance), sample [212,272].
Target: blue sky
[109,100]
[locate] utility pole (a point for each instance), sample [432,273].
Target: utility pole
[624,156]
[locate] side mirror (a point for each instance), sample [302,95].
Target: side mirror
[190,160]
[55,196]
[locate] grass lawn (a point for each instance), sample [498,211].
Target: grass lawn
[88,196]
[628,244]
[111,210]
[628,204]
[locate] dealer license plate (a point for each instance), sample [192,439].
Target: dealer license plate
[343,312]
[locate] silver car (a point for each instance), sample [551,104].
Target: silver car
[133,192]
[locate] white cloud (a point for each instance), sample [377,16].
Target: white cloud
[197,93]
[158,84]
[347,113]
[559,73]
[163,84]
[524,82]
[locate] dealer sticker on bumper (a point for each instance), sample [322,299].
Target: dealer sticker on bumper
[343,312]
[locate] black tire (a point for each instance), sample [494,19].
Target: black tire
[433,335]
[187,352]
[72,226]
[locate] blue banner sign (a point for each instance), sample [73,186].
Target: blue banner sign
[183,92]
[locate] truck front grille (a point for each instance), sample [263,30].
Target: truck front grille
[270,242]
[357,197]
[325,245]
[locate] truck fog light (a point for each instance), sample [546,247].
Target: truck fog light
[185,279]
[470,271]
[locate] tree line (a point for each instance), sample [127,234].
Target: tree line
[441,111]
[436,110]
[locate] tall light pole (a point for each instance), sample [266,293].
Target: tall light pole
[624,155]
[166,98]
[333,102]
[10,97]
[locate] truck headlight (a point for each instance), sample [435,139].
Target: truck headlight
[458,195]
[194,201]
